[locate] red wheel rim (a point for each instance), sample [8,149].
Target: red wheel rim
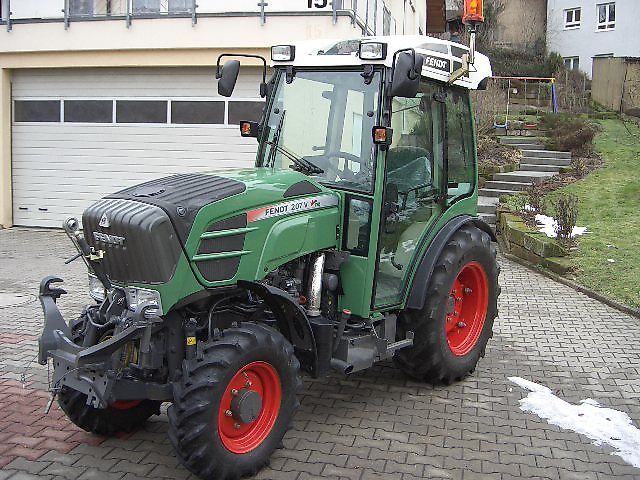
[467,308]
[263,379]
[125,404]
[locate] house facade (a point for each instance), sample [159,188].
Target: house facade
[581,30]
[98,95]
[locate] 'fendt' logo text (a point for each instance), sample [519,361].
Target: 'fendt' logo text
[108,239]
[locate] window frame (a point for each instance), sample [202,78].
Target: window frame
[574,62]
[573,24]
[607,24]
[468,150]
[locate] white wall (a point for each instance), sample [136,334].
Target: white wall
[586,42]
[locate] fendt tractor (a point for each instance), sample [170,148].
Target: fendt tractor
[353,240]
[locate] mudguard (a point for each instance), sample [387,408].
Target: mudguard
[418,292]
[292,321]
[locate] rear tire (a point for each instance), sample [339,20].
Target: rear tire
[254,363]
[452,330]
[120,417]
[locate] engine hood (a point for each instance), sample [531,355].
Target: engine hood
[182,196]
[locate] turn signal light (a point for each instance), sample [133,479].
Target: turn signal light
[473,11]
[382,135]
[249,129]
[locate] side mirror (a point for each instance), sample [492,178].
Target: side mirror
[405,81]
[227,77]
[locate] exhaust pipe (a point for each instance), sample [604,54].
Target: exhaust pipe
[341,366]
[314,294]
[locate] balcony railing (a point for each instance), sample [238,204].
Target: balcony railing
[371,16]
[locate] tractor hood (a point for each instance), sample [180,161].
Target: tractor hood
[143,229]
[183,196]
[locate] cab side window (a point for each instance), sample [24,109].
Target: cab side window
[460,147]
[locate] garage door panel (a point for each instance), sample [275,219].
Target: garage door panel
[150,82]
[59,169]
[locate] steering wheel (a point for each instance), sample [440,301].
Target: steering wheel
[344,172]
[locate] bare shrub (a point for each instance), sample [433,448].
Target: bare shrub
[566,207]
[488,103]
[535,195]
[580,166]
[571,90]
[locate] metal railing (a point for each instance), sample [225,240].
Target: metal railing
[371,16]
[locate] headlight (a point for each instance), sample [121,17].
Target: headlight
[283,53]
[138,296]
[372,51]
[96,289]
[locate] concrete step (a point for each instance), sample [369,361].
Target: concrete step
[548,154]
[512,186]
[527,146]
[495,192]
[525,176]
[490,218]
[539,168]
[515,139]
[558,162]
[487,204]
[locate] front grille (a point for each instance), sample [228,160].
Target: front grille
[150,250]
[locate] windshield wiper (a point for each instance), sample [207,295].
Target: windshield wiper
[276,139]
[304,165]
[301,164]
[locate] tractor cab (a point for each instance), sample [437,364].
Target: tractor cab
[382,122]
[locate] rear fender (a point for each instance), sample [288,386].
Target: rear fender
[418,292]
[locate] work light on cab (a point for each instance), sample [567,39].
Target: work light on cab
[473,11]
[372,51]
[283,53]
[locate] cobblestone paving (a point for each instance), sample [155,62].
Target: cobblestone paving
[370,425]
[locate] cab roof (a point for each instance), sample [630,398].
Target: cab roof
[441,57]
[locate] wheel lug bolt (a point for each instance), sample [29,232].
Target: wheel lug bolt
[247,384]
[234,392]
[461,324]
[468,291]
[236,426]
[228,413]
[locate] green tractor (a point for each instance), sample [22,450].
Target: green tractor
[353,240]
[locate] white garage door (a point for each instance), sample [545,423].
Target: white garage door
[78,135]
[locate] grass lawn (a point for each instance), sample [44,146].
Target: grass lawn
[610,209]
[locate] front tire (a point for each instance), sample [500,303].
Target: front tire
[452,330]
[123,416]
[234,403]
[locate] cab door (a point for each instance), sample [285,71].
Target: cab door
[412,188]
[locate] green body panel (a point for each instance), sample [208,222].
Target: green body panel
[272,242]
[268,243]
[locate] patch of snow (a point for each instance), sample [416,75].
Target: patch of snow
[547,225]
[603,426]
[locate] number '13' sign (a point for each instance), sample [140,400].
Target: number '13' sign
[317,3]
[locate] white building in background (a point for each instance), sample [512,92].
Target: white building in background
[97,95]
[580,30]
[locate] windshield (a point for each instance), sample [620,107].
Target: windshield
[320,124]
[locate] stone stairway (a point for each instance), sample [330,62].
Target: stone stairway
[536,165]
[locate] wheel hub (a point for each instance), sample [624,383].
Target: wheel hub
[466,308]
[249,407]
[246,405]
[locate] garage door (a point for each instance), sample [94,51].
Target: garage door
[78,135]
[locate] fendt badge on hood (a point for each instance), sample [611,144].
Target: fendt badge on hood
[104,221]
[108,239]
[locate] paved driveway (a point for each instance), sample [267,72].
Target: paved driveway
[375,424]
